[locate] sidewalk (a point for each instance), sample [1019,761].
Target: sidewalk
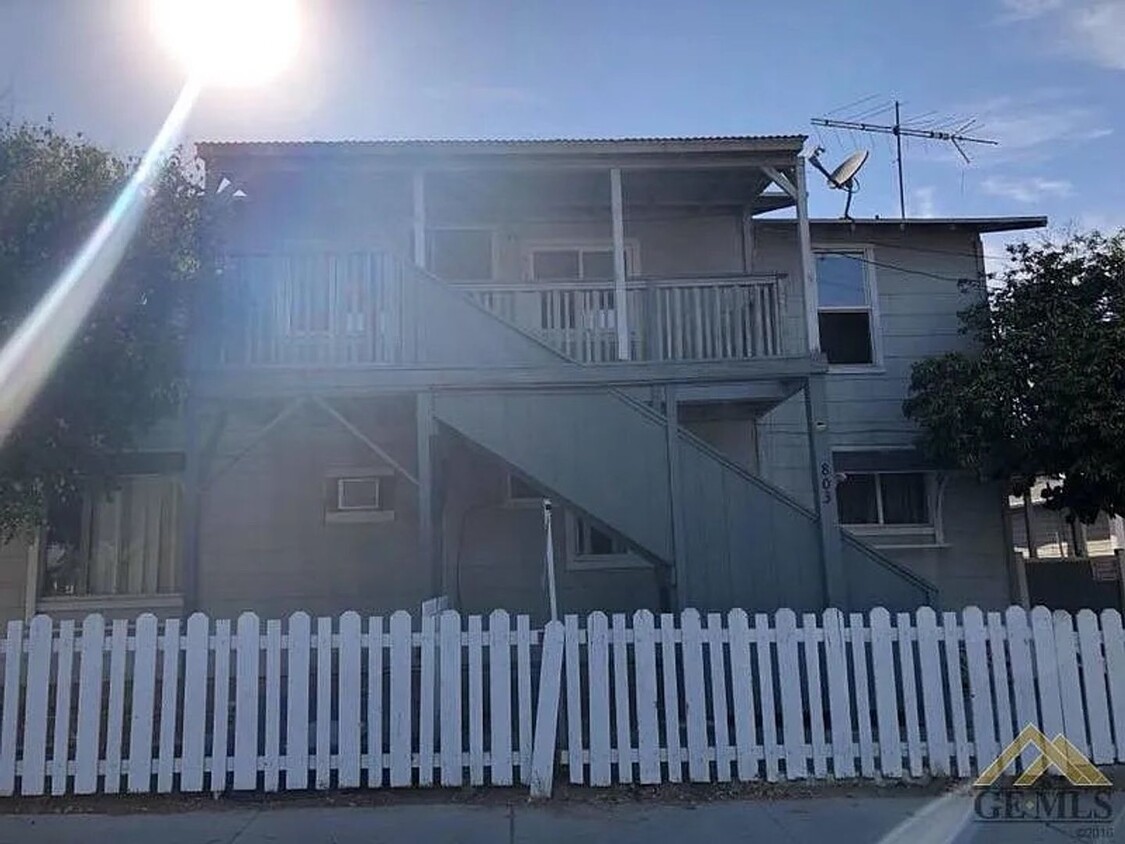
[898,819]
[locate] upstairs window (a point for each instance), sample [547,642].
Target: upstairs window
[460,254]
[845,315]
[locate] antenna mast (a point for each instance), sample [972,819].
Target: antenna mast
[955,137]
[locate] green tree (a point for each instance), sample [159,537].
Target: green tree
[1044,393]
[123,370]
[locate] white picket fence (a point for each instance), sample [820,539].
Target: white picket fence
[348,703]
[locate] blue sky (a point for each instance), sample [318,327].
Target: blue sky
[1044,77]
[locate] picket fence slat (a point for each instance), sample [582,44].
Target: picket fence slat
[451,718]
[862,694]
[1070,687]
[500,697]
[811,655]
[770,750]
[476,701]
[933,692]
[998,663]
[709,698]
[910,714]
[523,686]
[141,711]
[220,725]
[839,695]
[597,652]
[671,688]
[1094,687]
[980,688]
[35,722]
[400,712]
[1114,639]
[64,682]
[271,765]
[194,735]
[573,666]
[741,674]
[9,719]
[648,735]
[90,704]
[349,681]
[427,700]
[169,691]
[792,707]
[699,769]
[886,694]
[621,711]
[375,743]
[247,651]
[299,632]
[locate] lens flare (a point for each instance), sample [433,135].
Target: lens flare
[229,42]
[32,352]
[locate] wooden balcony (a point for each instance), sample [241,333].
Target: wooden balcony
[362,309]
[681,319]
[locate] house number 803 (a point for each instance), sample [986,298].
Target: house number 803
[826,478]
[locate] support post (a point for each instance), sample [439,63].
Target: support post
[192,505]
[419,205]
[824,491]
[621,305]
[429,546]
[808,261]
[672,433]
[747,241]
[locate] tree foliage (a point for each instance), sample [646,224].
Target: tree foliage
[1044,394]
[123,371]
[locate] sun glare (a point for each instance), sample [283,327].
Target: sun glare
[229,42]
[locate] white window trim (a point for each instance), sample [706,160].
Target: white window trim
[877,364]
[933,532]
[529,247]
[357,515]
[494,248]
[597,562]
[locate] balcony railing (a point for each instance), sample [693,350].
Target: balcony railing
[714,318]
[357,309]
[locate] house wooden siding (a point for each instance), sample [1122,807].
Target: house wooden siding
[265,543]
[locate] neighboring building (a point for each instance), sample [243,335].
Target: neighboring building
[1053,536]
[617,325]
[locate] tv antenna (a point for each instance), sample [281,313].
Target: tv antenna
[955,137]
[844,176]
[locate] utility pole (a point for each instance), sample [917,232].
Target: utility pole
[957,138]
[898,148]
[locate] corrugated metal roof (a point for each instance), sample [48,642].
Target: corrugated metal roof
[479,145]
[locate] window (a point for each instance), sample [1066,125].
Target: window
[360,496]
[846,313]
[591,547]
[519,493]
[123,542]
[460,254]
[884,498]
[592,310]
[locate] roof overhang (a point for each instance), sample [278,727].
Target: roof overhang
[979,225]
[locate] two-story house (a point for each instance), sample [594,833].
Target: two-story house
[413,344]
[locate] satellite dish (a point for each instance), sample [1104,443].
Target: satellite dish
[844,176]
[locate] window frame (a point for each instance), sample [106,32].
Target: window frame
[494,257]
[931,534]
[871,288]
[36,601]
[519,502]
[530,247]
[617,561]
[356,515]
